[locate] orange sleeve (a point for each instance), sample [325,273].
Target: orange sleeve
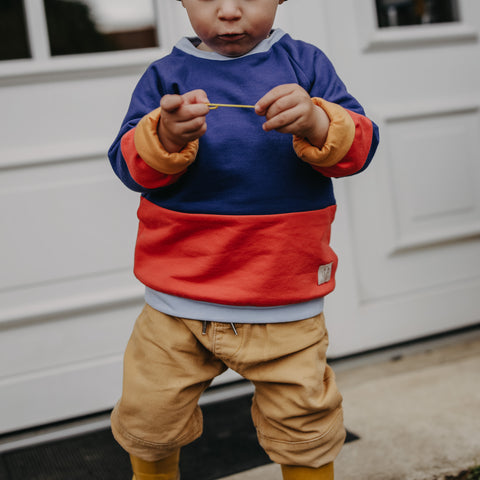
[340,137]
[153,153]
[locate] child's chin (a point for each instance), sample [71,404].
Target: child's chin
[234,51]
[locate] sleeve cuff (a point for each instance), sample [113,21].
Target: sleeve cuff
[152,151]
[341,134]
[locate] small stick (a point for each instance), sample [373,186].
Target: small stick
[214,106]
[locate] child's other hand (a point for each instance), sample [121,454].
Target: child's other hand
[182,119]
[289,109]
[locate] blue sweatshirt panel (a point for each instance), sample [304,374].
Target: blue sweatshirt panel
[240,169]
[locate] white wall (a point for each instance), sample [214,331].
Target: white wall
[408,240]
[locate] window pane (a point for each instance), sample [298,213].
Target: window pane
[393,13]
[13,31]
[88,26]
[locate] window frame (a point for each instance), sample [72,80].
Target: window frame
[168,22]
[375,38]
[454,8]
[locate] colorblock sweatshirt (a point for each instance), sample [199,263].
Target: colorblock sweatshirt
[236,226]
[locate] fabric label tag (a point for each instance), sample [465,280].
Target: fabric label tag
[325,273]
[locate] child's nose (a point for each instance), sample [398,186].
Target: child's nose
[229,10]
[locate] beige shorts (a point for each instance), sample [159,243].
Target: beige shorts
[169,362]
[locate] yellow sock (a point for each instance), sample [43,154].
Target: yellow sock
[164,469]
[291,472]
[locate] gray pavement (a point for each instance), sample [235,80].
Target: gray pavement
[416,410]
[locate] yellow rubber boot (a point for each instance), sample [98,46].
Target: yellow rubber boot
[306,473]
[164,469]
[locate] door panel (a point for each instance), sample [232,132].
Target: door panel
[407,229]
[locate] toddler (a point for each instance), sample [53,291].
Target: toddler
[233,240]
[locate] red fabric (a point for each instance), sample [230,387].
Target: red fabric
[261,260]
[143,174]
[356,157]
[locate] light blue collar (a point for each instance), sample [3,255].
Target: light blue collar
[185,45]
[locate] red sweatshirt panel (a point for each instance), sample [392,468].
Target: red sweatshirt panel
[258,260]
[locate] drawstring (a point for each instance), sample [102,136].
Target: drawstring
[204,328]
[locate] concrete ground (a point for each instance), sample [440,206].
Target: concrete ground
[416,411]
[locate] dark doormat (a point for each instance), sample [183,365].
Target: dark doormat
[228,445]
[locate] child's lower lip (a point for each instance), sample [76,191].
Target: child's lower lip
[232,38]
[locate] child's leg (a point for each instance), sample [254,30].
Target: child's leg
[297,407]
[165,372]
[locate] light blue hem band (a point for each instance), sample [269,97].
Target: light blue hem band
[196,310]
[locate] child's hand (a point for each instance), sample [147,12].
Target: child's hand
[182,119]
[289,109]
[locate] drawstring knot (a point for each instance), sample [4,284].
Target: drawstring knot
[205,323]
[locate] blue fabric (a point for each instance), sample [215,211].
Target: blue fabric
[239,170]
